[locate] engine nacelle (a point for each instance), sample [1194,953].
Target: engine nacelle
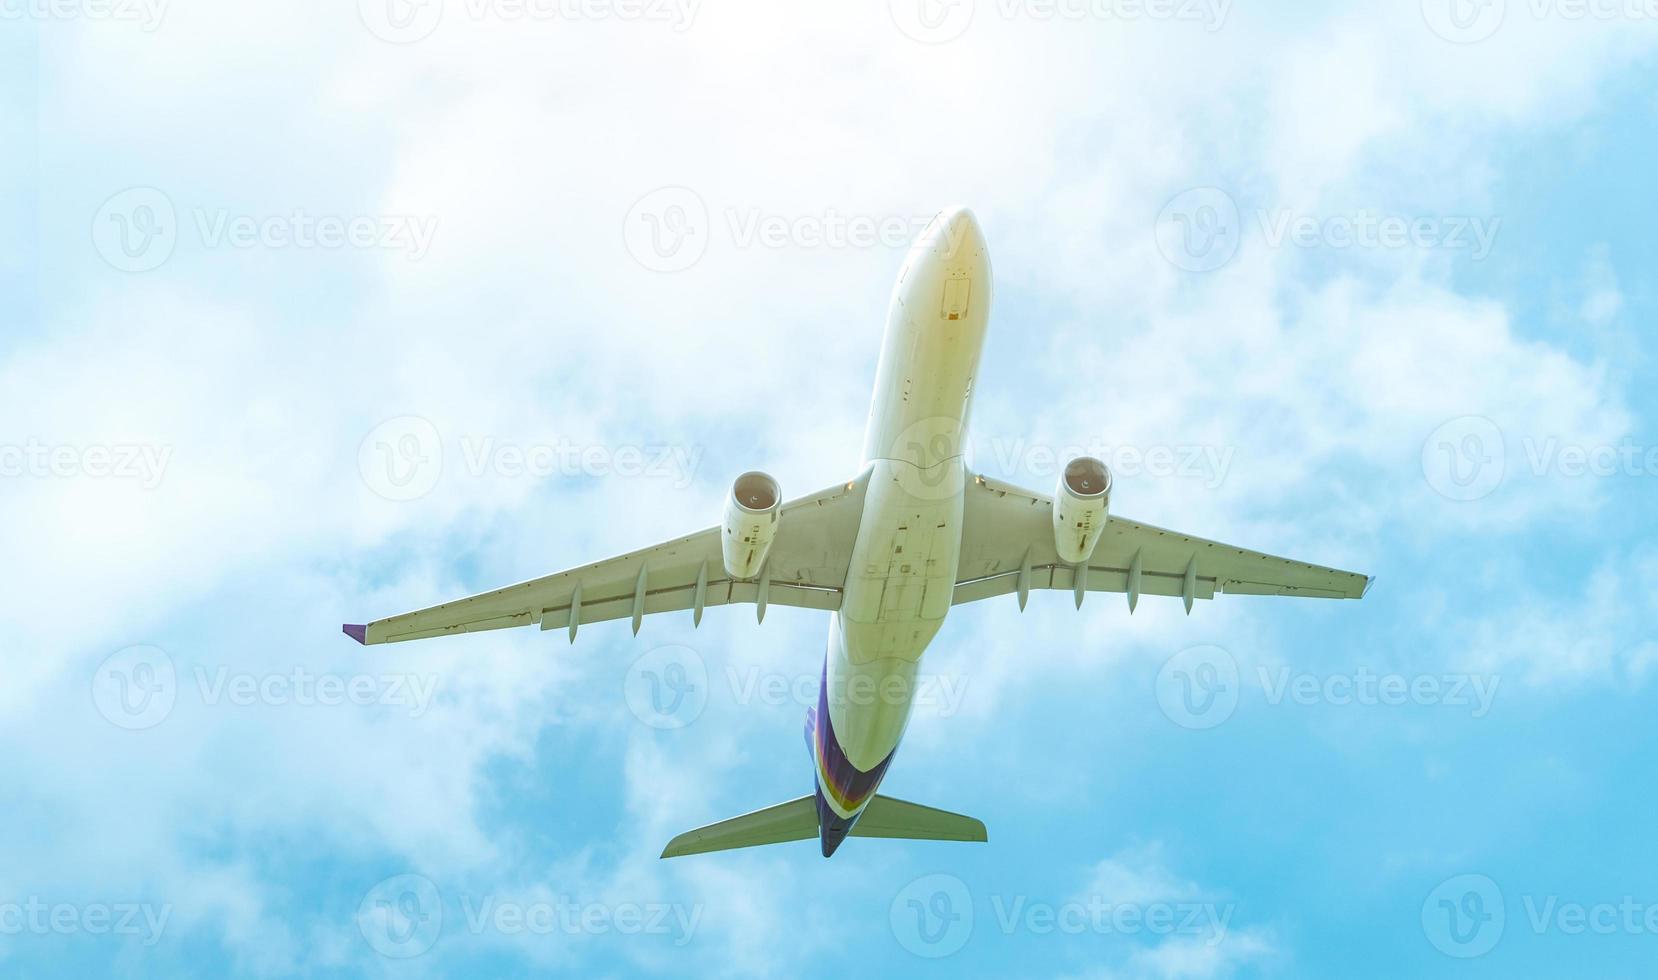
[751,514]
[1081,503]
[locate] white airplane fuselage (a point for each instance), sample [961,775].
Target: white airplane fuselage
[901,578]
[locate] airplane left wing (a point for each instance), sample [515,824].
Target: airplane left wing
[1008,546]
[806,568]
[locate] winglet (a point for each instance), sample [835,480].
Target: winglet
[358,633]
[1368,582]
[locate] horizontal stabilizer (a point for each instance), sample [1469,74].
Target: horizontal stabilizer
[794,820]
[797,820]
[887,817]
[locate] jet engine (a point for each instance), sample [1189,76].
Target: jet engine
[751,514]
[1081,502]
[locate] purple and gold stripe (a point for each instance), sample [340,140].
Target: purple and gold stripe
[844,784]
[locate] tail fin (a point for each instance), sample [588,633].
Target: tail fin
[797,820]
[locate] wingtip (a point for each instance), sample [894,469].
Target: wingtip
[356,632]
[1368,582]
[675,848]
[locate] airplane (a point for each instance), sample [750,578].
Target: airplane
[887,554]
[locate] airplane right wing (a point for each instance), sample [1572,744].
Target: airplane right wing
[1008,546]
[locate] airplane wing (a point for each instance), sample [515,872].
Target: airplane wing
[806,568]
[1008,546]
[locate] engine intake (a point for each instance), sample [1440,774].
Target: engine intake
[1081,505]
[750,524]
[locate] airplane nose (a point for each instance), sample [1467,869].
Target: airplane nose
[958,229]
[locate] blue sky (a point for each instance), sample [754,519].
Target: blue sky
[311,317]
